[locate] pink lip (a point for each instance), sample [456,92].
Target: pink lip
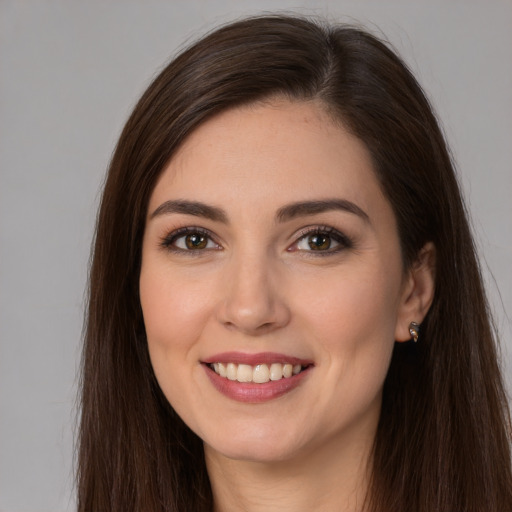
[254,359]
[250,392]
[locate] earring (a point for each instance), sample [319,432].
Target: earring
[414,331]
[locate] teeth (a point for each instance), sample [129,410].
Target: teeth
[222,370]
[259,374]
[244,373]
[231,371]
[276,371]
[287,370]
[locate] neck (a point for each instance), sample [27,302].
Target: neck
[331,477]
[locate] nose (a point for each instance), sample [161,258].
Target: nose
[253,297]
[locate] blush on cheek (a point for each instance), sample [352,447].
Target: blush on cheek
[164,314]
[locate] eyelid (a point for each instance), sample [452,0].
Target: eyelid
[167,241]
[343,241]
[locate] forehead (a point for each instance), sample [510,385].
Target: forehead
[272,152]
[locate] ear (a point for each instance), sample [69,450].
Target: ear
[417,292]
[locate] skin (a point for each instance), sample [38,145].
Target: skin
[258,286]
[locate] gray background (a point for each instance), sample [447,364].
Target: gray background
[70,72]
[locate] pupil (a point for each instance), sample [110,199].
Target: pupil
[195,241]
[317,242]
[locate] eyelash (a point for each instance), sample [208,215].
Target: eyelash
[344,242]
[168,242]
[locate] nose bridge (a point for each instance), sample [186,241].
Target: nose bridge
[253,302]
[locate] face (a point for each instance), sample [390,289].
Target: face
[272,283]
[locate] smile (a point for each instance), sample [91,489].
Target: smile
[256,378]
[259,373]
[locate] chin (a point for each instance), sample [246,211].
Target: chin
[251,445]
[264,453]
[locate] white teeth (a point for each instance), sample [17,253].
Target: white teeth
[276,371]
[231,371]
[244,373]
[259,374]
[222,370]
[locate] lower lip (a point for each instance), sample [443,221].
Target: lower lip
[250,392]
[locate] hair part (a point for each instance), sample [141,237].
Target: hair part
[442,441]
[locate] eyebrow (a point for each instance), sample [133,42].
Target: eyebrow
[191,208]
[300,209]
[284,214]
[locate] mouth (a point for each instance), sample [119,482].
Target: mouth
[258,374]
[256,378]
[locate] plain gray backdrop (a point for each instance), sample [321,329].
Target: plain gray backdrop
[70,72]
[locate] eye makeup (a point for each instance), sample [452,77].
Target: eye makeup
[321,241]
[189,239]
[317,240]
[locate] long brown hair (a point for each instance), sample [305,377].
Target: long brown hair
[443,441]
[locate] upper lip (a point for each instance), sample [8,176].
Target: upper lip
[254,359]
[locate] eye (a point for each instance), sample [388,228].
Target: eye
[189,240]
[322,240]
[317,242]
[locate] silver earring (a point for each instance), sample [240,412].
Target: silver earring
[414,331]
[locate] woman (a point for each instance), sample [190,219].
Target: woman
[280,224]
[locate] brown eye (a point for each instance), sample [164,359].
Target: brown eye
[323,241]
[196,241]
[189,240]
[319,242]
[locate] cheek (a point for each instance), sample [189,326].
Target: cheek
[354,325]
[356,306]
[175,314]
[175,310]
